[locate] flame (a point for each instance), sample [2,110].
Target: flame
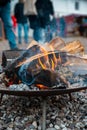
[73,47]
[42,65]
[52,64]
[53,61]
[40,86]
[43,52]
[10,81]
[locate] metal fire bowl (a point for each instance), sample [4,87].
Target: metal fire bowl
[42,93]
[8,56]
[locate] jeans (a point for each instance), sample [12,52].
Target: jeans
[62,30]
[6,18]
[43,35]
[25,28]
[48,34]
[39,35]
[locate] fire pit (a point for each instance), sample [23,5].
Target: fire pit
[37,66]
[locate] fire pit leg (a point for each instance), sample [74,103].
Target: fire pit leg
[1,96]
[44,113]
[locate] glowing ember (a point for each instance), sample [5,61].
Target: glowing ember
[40,86]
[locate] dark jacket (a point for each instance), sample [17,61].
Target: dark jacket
[34,21]
[4,2]
[19,13]
[44,9]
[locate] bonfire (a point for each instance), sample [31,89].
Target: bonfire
[41,64]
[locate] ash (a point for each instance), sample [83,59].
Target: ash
[22,87]
[73,79]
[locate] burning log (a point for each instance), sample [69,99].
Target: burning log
[51,79]
[57,43]
[34,49]
[36,70]
[73,47]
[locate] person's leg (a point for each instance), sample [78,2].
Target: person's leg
[39,35]
[36,34]
[6,18]
[26,29]
[20,33]
[62,32]
[48,34]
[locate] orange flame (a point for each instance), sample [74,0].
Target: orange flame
[46,64]
[40,86]
[50,64]
[53,65]
[44,61]
[42,65]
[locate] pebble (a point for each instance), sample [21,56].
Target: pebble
[51,125]
[20,113]
[57,127]
[34,124]
[51,129]
[64,128]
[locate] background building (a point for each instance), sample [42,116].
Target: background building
[66,7]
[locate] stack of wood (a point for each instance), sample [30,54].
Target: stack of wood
[73,47]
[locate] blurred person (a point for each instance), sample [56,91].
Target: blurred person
[22,21]
[39,12]
[34,21]
[54,27]
[44,12]
[81,28]
[5,15]
[62,26]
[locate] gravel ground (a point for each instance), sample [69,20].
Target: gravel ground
[21,113]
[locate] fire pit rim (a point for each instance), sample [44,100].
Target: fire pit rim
[42,93]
